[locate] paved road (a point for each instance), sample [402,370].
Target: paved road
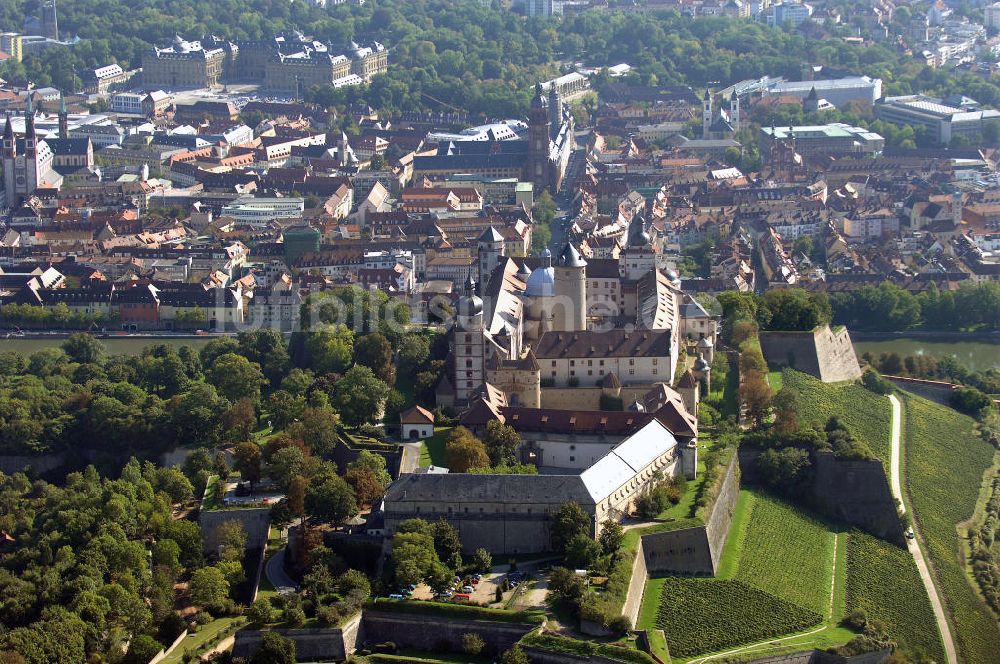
[276,572]
[411,458]
[912,544]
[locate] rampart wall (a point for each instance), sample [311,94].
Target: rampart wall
[824,353]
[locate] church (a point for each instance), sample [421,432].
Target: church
[27,161]
[541,157]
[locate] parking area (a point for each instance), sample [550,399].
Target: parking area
[532,593]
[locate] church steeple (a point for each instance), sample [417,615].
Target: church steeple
[29,128]
[9,146]
[63,117]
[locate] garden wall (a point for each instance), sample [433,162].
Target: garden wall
[695,550]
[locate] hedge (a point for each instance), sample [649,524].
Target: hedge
[458,611]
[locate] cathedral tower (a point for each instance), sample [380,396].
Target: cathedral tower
[539,133]
[469,344]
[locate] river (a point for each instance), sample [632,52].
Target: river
[115,345]
[976,355]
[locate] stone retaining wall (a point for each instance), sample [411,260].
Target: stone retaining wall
[695,550]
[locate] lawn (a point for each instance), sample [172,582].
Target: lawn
[198,643]
[708,615]
[883,581]
[864,413]
[774,379]
[788,553]
[945,462]
[432,452]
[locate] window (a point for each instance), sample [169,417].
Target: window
[572,447]
[631,372]
[572,363]
[654,361]
[631,362]
[468,363]
[572,458]
[553,363]
[590,363]
[654,372]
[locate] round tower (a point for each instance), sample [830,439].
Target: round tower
[539,291]
[571,291]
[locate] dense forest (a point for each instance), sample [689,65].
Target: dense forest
[458,53]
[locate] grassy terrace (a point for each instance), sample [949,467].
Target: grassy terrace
[865,413]
[945,462]
[432,452]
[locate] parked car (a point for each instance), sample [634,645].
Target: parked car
[468,589]
[461,597]
[395,596]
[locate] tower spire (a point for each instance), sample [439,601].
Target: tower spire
[29,127]
[63,117]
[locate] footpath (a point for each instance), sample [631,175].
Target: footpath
[913,544]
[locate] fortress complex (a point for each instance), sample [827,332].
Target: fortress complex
[287,63]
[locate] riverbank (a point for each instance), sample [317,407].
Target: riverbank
[978,354]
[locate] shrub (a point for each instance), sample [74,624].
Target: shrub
[874,382]
[295,617]
[472,643]
[261,613]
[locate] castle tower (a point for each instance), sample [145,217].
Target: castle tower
[63,117]
[469,344]
[490,251]
[734,110]
[706,349]
[570,305]
[555,109]
[706,114]
[538,141]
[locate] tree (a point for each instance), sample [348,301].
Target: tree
[265,347]
[414,352]
[275,649]
[582,551]
[232,538]
[236,377]
[317,429]
[247,460]
[355,584]
[783,469]
[167,553]
[209,589]
[971,401]
[260,613]
[84,348]
[373,462]
[239,421]
[482,561]
[447,543]
[141,649]
[286,464]
[464,451]
[366,486]
[331,500]
[296,495]
[502,443]
[359,396]
[568,521]
[756,395]
[786,405]
[612,535]
[565,586]
[375,352]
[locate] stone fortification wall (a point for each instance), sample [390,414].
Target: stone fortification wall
[541,656]
[824,353]
[935,390]
[855,492]
[633,599]
[320,645]
[41,464]
[437,634]
[255,521]
[695,550]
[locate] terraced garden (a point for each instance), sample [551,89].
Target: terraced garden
[884,583]
[863,412]
[945,462]
[706,615]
